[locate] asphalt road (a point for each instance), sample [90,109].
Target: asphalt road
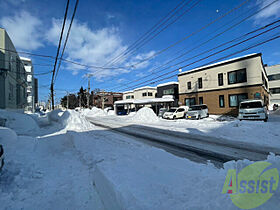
[193,147]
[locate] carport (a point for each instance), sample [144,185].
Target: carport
[154,103]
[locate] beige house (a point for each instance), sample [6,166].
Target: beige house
[146,92]
[223,85]
[273,73]
[128,95]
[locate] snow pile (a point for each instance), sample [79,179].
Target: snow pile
[146,115]
[55,115]
[73,120]
[22,124]
[94,112]
[111,112]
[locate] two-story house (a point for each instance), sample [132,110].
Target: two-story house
[223,85]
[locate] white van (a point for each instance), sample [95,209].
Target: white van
[176,112]
[197,112]
[252,110]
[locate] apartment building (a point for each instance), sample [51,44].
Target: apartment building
[105,99]
[13,76]
[30,84]
[273,73]
[128,95]
[223,85]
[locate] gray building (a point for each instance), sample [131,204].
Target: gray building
[273,74]
[30,91]
[13,82]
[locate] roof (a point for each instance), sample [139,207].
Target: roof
[129,91]
[145,87]
[25,59]
[225,62]
[168,83]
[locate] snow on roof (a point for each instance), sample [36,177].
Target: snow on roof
[25,59]
[218,63]
[128,101]
[145,101]
[153,100]
[168,83]
[145,87]
[129,91]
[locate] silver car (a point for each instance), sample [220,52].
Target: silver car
[252,110]
[197,112]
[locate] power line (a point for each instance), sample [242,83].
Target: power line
[190,35]
[147,39]
[57,54]
[246,18]
[220,51]
[67,36]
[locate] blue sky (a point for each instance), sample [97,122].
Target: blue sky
[104,29]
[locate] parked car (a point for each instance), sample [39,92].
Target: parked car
[197,112]
[1,157]
[162,111]
[252,110]
[176,112]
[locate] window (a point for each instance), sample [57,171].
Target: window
[200,82]
[234,100]
[132,97]
[150,94]
[237,76]
[180,110]
[144,94]
[189,85]
[168,91]
[222,101]
[200,99]
[127,97]
[275,90]
[220,79]
[274,77]
[190,101]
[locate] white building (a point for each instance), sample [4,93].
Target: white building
[30,90]
[273,73]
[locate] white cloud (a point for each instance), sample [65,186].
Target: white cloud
[93,47]
[272,11]
[24,30]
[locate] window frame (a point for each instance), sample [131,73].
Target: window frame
[221,79]
[222,97]
[201,97]
[200,85]
[236,76]
[144,94]
[238,99]
[189,84]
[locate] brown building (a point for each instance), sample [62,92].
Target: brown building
[223,85]
[105,99]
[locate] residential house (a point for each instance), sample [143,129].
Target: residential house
[223,85]
[169,89]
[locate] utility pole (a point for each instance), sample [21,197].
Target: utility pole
[67,99]
[52,96]
[102,99]
[80,101]
[88,91]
